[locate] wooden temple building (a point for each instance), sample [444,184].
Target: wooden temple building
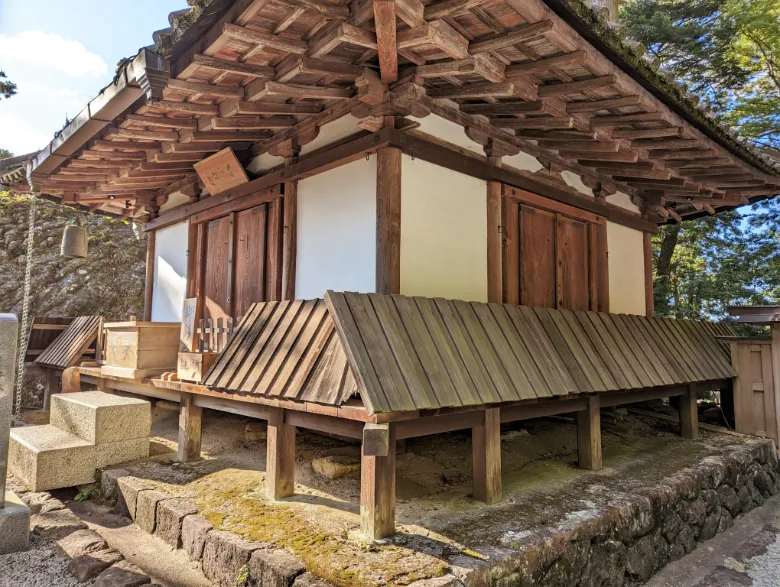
[484,176]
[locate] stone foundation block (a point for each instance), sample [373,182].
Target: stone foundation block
[109,488]
[146,510]
[82,542]
[99,417]
[113,453]
[307,580]
[14,525]
[122,574]
[445,581]
[170,514]
[45,457]
[194,531]
[128,490]
[89,566]
[56,525]
[224,557]
[274,568]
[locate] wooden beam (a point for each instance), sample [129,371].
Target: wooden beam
[280,459]
[388,221]
[600,121]
[377,491]
[226,66]
[543,65]
[474,91]
[689,414]
[504,108]
[646,133]
[129,133]
[275,89]
[385,18]
[180,85]
[240,107]
[577,87]
[132,146]
[596,105]
[601,156]
[251,123]
[161,121]
[190,429]
[589,435]
[486,457]
[437,33]
[547,123]
[149,283]
[667,144]
[512,38]
[253,36]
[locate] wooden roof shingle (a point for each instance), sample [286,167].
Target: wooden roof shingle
[69,346]
[404,353]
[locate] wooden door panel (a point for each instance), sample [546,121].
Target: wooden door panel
[537,257]
[216,285]
[573,279]
[249,262]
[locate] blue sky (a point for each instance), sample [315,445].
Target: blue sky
[61,53]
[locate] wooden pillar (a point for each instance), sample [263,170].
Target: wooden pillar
[290,235]
[151,237]
[52,386]
[689,415]
[486,456]
[190,429]
[602,266]
[589,435]
[377,481]
[649,299]
[280,460]
[388,221]
[494,239]
[71,380]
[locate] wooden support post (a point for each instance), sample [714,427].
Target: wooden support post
[377,481]
[290,235]
[486,456]
[494,239]
[589,435]
[151,237]
[649,299]
[52,386]
[388,221]
[280,461]
[689,415]
[190,428]
[775,376]
[71,380]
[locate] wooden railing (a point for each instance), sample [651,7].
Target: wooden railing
[213,335]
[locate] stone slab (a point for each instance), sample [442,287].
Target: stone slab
[45,457]
[128,490]
[122,574]
[88,566]
[224,557]
[194,531]
[82,542]
[274,568]
[170,515]
[14,525]
[309,580]
[146,509]
[124,451]
[99,417]
[56,525]
[9,334]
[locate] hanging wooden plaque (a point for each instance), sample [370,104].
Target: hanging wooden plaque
[221,171]
[189,320]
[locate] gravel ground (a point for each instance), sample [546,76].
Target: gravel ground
[765,569]
[44,565]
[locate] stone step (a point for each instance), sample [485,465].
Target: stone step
[99,418]
[47,457]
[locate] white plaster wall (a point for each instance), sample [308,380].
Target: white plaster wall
[626,270]
[337,231]
[170,273]
[264,162]
[523,161]
[443,233]
[175,200]
[623,200]
[575,181]
[445,130]
[332,132]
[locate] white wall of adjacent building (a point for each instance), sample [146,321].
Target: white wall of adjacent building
[170,273]
[626,270]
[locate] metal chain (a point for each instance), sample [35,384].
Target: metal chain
[24,331]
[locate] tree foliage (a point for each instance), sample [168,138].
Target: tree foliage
[5,154]
[7,87]
[728,51]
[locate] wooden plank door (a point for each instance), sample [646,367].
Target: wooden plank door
[250,259]
[537,257]
[217,277]
[572,264]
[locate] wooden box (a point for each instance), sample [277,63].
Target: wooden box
[140,349]
[193,366]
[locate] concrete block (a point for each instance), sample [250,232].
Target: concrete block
[274,568]
[146,510]
[194,531]
[124,451]
[129,488]
[99,417]
[170,515]
[46,457]
[224,556]
[14,525]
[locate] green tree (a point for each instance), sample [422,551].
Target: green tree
[5,154]
[7,87]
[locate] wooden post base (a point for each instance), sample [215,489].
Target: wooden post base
[589,435]
[377,486]
[190,429]
[71,380]
[689,415]
[486,457]
[280,461]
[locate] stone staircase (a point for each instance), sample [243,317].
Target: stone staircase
[86,431]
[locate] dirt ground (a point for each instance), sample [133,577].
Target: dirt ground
[440,528]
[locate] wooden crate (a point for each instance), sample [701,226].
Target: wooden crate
[141,349]
[193,366]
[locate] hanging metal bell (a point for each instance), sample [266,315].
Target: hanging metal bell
[74,241]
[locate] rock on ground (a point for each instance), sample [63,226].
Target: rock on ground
[122,574]
[88,566]
[336,466]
